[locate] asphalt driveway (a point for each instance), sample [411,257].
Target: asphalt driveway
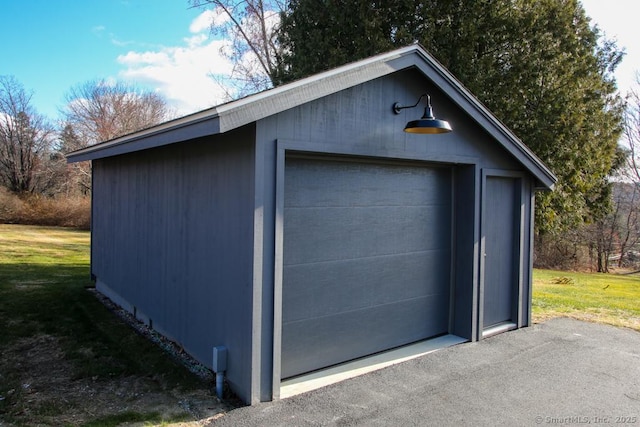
[560,372]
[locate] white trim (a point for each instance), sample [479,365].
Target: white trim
[498,329]
[318,379]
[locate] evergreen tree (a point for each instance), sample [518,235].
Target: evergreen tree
[539,66]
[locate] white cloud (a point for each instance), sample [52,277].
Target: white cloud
[134,59]
[197,40]
[207,18]
[120,43]
[100,30]
[181,74]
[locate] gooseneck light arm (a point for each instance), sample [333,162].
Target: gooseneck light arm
[397,108]
[427,124]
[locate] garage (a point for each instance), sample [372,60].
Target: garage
[303,229]
[367,258]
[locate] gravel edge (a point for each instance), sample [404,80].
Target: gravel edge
[174,350]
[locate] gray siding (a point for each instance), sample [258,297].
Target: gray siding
[190,235]
[361,119]
[359,122]
[173,236]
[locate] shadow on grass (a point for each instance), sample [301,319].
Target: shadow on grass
[65,358]
[53,300]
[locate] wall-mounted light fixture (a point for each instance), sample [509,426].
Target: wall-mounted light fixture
[428,124]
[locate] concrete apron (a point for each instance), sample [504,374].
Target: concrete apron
[334,374]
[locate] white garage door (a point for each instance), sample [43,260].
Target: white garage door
[367,259]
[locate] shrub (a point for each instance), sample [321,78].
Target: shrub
[11,207]
[59,211]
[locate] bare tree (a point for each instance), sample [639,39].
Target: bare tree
[626,196]
[25,140]
[77,176]
[251,26]
[98,111]
[603,236]
[632,132]
[629,193]
[616,235]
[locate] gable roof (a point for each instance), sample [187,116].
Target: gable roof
[234,114]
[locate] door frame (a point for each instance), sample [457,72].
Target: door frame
[285,147]
[520,221]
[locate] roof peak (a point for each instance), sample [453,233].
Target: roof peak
[234,114]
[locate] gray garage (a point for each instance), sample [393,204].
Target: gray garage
[301,228]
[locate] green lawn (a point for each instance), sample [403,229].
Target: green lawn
[45,307]
[595,297]
[57,340]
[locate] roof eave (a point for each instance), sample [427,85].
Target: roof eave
[483,116]
[196,125]
[243,111]
[234,114]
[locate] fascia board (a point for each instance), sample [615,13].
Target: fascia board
[196,125]
[234,114]
[282,98]
[240,112]
[433,70]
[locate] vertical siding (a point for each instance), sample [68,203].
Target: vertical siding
[186,233]
[361,117]
[359,121]
[173,236]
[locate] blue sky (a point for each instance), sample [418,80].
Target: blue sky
[164,45]
[52,45]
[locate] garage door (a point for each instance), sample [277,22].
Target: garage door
[366,264]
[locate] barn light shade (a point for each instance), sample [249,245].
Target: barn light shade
[428,124]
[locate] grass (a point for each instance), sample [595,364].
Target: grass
[148,418]
[44,273]
[595,297]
